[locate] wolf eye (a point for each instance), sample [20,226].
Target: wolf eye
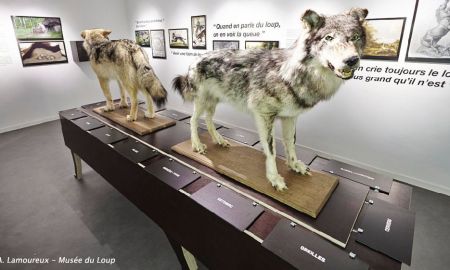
[355,37]
[329,38]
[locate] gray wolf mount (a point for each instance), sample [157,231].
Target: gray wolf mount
[276,84]
[126,62]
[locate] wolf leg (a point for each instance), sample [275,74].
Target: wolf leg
[210,110]
[104,84]
[150,113]
[134,106]
[265,130]
[288,126]
[123,99]
[199,108]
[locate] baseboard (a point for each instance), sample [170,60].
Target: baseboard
[29,124]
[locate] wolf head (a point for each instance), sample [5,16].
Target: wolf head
[94,36]
[336,41]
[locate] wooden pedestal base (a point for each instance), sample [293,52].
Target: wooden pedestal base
[307,194]
[142,125]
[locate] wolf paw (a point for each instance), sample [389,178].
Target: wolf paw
[149,115]
[130,118]
[108,108]
[222,142]
[277,182]
[299,167]
[123,104]
[199,147]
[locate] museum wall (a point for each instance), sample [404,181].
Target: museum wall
[35,94]
[390,127]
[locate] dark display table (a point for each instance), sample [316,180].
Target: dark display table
[225,224]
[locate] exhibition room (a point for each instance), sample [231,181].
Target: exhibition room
[247,134]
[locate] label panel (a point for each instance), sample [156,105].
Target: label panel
[306,250]
[171,172]
[134,150]
[241,136]
[388,228]
[229,205]
[88,123]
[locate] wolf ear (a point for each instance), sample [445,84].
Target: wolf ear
[312,19]
[105,33]
[83,34]
[359,13]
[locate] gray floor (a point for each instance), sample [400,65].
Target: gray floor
[44,212]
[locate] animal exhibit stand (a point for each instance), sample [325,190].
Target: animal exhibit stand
[228,225]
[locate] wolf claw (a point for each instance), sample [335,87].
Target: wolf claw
[199,148]
[149,115]
[123,104]
[108,108]
[299,167]
[130,118]
[277,182]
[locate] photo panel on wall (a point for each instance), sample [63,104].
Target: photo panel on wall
[42,52]
[37,28]
[142,37]
[225,44]
[178,38]
[429,39]
[383,38]
[158,43]
[198,28]
[257,44]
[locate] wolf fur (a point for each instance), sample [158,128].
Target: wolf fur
[124,61]
[276,84]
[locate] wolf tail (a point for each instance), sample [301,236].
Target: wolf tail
[181,84]
[147,78]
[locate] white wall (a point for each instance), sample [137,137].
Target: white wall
[35,94]
[397,130]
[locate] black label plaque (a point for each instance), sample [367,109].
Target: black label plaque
[235,209]
[88,123]
[72,114]
[242,136]
[306,250]
[368,178]
[176,115]
[173,173]
[202,124]
[388,229]
[134,150]
[108,135]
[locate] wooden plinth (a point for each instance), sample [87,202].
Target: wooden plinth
[142,125]
[307,194]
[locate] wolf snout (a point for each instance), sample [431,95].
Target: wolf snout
[352,61]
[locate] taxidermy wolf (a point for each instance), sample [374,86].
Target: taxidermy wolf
[126,62]
[276,84]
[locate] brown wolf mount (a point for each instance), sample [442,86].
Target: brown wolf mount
[124,61]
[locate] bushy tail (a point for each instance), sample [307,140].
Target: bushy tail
[148,80]
[181,84]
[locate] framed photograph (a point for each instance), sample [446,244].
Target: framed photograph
[384,38]
[42,52]
[268,45]
[429,39]
[37,28]
[142,37]
[225,44]
[198,27]
[158,43]
[178,38]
